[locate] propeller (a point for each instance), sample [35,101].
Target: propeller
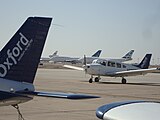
[85,64]
[84,60]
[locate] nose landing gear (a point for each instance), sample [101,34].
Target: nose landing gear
[91,79]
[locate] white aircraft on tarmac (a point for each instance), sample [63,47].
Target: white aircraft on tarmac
[111,68]
[19,61]
[126,57]
[74,60]
[47,59]
[89,60]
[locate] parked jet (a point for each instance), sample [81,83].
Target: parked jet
[125,58]
[19,61]
[54,54]
[129,110]
[88,59]
[47,59]
[74,60]
[116,69]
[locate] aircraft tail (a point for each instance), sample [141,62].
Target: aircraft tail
[144,64]
[97,54]
[128,55]
[20,57]
[54,54]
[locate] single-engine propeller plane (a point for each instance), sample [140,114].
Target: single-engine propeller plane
[112,68]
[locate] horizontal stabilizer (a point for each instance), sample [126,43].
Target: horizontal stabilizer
[60,95]
[9,98]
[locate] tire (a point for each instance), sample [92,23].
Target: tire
[90,80]
[96,79]
[124,81]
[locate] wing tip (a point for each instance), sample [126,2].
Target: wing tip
[81,96]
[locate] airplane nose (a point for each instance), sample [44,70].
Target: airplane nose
[86,67]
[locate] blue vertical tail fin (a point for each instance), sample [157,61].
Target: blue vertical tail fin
[144,64]
[97,54]
[20,57]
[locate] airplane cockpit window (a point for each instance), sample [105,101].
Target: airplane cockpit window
[111,64]
[96,61]
[99,61]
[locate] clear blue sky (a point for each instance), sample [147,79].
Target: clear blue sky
[115,26]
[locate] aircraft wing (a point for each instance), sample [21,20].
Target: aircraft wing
[58,95]
[73,67]
[133,72]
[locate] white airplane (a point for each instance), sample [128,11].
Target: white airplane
[111,68]
[129,110]
[126,57]
[54,54]
[88,59]
[73,60]
[19,60]
[47,59]
[58,58]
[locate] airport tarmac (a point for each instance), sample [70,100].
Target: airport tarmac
[64,80]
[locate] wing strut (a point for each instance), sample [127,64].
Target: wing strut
[20,117]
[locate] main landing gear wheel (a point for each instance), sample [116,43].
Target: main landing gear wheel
[90,80]
[124,81]
[96,79]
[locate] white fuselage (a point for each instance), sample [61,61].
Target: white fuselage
[115,59]
[88,59]
[104,67]
[61,59]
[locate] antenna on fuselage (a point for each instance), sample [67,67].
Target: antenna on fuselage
[20,117]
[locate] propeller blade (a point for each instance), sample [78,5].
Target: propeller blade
[84,60]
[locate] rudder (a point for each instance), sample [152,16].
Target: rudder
[20,57]
[97,54]
[144,64]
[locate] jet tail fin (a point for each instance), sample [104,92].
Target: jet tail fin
[144,64]
[128,55]
[20,57]
[54,54]
[97,54]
